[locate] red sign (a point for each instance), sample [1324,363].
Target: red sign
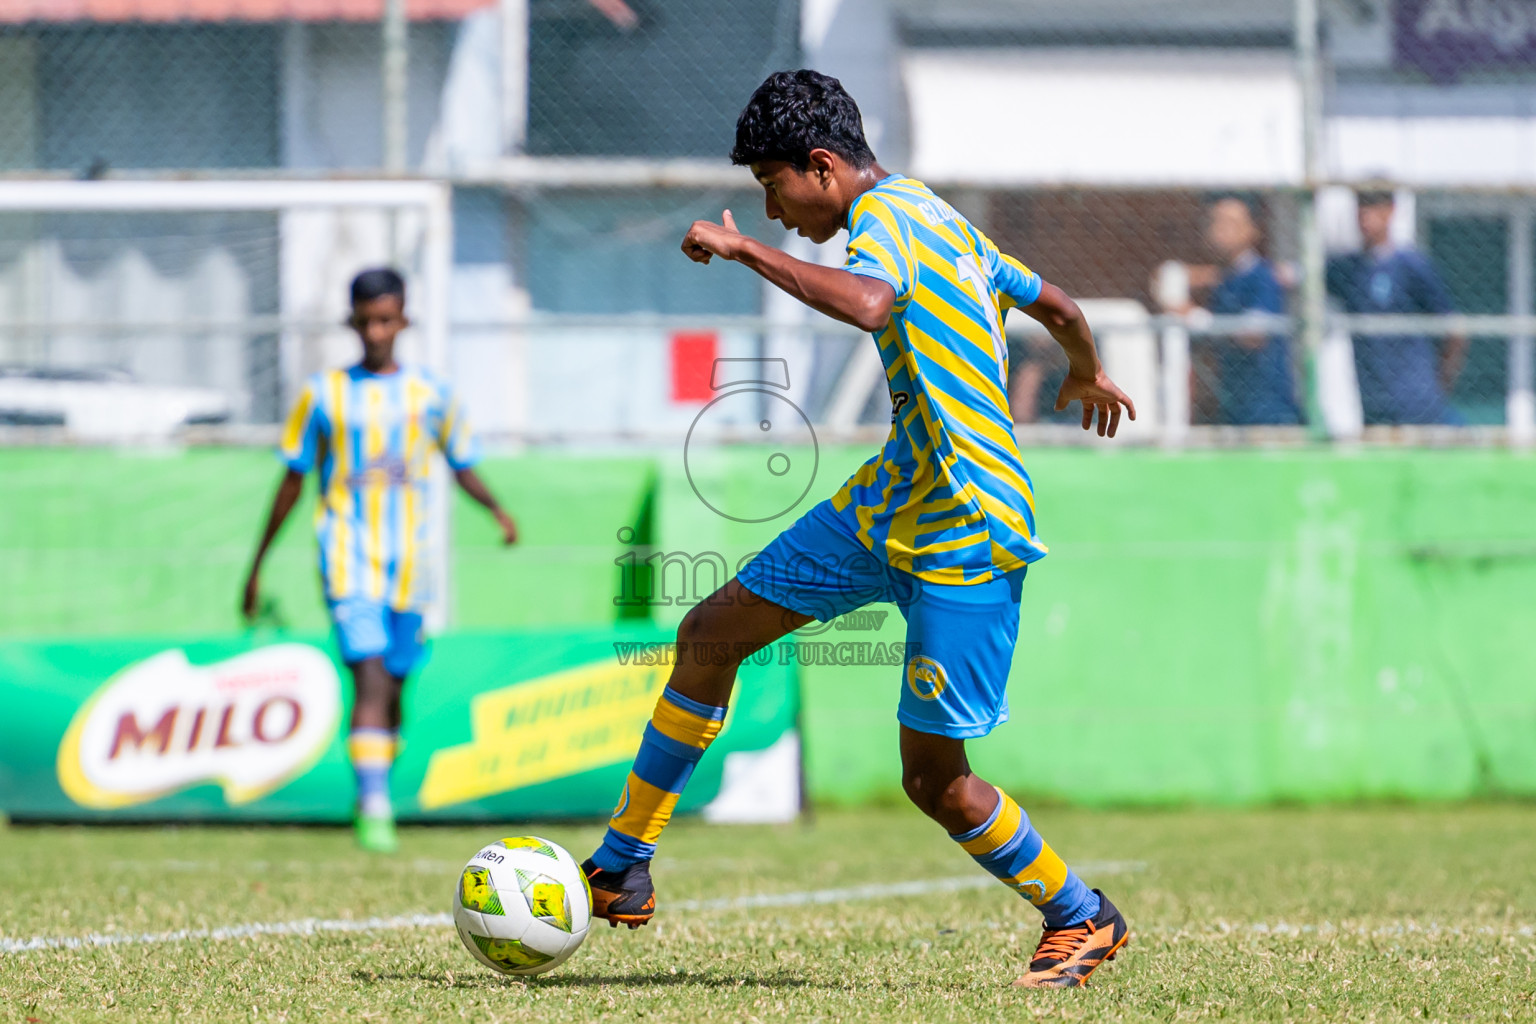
[693,358]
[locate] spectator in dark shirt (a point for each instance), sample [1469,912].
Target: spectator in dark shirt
[1403,378]
[1256,384]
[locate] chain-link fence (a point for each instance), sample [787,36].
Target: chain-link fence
[1273,248]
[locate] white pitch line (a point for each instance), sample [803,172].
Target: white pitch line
[419,865]
[1396,929]
[856,892]
[306,926]
[874,892]
[316,926]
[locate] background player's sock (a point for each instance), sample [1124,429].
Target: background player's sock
[1009,847]
[372,751]
[680,731]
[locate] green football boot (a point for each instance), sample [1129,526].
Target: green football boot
[376,833]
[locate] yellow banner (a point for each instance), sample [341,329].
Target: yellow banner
[546,728]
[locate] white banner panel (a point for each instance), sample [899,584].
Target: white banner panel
[1111,117]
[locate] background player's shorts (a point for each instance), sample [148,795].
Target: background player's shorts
[370,629]
[959,638]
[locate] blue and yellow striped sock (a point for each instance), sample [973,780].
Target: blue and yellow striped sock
[372,752]
[679,733]
[1009,847]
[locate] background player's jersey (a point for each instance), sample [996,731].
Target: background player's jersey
[373,436]
[947,498]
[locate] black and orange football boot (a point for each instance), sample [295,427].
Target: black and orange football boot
[622,897]
[1066,956]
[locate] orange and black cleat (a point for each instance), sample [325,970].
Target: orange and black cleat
[1066,956]
[622,897]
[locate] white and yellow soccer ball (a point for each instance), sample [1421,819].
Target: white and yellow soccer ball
[522,905]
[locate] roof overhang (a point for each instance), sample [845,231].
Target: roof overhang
[204,11]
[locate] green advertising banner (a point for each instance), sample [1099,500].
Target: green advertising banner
[505,725]
[1234,626]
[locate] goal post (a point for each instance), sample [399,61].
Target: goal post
[433,199]
[428,204]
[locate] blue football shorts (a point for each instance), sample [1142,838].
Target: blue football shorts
[960,639]
[371,629]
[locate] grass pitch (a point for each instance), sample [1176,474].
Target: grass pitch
[1350,914]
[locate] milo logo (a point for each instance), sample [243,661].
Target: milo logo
[250,724]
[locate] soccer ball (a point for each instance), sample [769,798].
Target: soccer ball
[522,905]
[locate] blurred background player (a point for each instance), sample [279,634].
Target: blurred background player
[370,430]
[1253,369]
[940,521]
[1404,378]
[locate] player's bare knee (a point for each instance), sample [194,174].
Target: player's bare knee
[922,790]
[704,623]
[935,793]
[691,629]
[912,785]
[372,684]
[954,800]
[374,702]
[701,641]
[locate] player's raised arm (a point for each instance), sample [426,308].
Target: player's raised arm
[860,301]
[1086,380]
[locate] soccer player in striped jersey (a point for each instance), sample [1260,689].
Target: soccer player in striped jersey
[941,522]
[371,431]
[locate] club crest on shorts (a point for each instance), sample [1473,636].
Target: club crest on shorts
[926,678]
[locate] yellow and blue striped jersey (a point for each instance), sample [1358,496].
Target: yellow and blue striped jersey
[373,436]
[947,497]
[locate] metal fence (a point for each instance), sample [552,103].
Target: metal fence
[1293,221]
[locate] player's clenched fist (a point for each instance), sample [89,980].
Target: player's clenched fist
[706,239]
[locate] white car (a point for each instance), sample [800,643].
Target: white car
[103,403]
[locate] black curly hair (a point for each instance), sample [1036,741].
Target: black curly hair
[794,112]
[377,283]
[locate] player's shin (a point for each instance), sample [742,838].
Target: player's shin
[677,736]
[1008,846]
[372,752]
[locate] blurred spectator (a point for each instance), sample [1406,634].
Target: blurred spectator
[1256,384]
[1403,378]
[1036,366]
